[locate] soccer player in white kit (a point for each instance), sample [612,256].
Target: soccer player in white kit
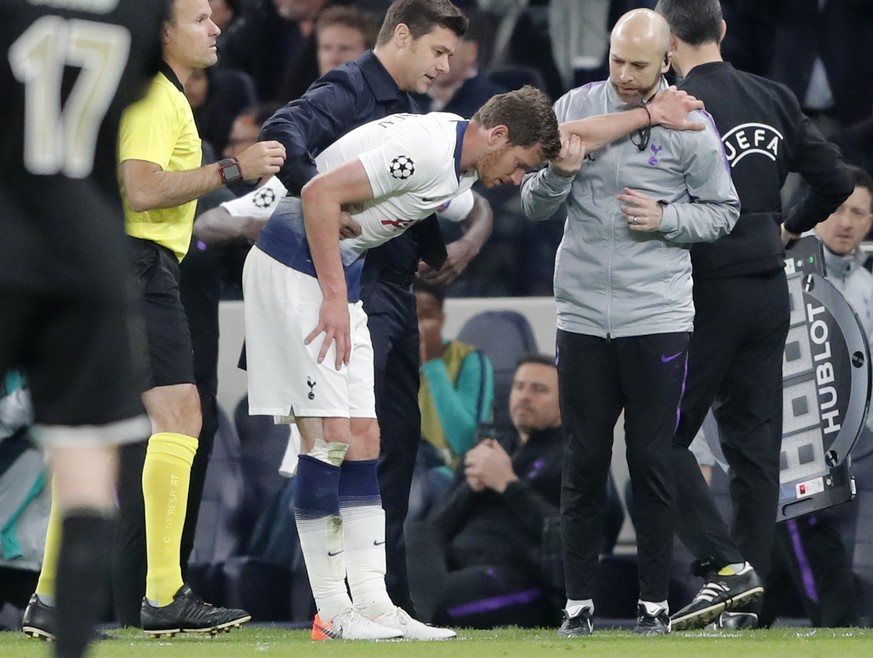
[301,281]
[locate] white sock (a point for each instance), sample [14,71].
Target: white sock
[654,607]
[575,606]
[364,538]
[321,541]
[320,527]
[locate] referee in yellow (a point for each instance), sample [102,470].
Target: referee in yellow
[161,179]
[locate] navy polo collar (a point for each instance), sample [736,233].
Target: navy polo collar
[460,129]
[170,75]
[383,85]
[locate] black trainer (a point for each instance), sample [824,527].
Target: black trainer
[578,625]
[189,614]
[720,592]
[38,620]
[648,624]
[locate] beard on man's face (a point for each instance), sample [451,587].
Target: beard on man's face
[637,95]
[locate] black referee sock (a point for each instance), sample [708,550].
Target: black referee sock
[81,587]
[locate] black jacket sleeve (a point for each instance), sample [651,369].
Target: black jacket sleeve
[451,514]
[529,506]
[822,167]
[310,124]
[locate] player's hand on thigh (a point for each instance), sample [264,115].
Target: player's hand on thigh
[333,322]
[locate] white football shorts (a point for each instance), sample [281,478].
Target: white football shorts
[284,376]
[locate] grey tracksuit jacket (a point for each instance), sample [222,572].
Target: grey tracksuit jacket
[611,281]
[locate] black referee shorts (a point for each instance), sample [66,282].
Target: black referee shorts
[171,356]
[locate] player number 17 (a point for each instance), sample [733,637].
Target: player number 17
[63,139]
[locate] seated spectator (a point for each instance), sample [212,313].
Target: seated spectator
[24,495]
[246,127]
[463,89]
[15,410]
[285,59]
[226,14]
[477,561]
[520,256]
[455,396]
[343,34]
[842,234]
[217,97]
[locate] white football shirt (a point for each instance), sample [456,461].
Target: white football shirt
[412,163]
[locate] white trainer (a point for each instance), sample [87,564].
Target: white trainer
[351,625]
[411,628]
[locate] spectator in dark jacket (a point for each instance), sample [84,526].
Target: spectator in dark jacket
[477,559]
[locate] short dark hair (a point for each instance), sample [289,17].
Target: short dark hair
[422,17]
[541,359]
[528,114]
[170,12]
[861,179]
[348,16]
[695,22]
[435,290]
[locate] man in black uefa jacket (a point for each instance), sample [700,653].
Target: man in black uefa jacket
[742,312]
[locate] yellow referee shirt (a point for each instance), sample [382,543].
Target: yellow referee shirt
[160,128]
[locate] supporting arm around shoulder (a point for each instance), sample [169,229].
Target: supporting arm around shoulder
[669,108]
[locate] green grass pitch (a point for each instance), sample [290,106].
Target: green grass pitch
[504,643]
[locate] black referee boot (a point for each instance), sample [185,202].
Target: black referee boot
[189,614]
